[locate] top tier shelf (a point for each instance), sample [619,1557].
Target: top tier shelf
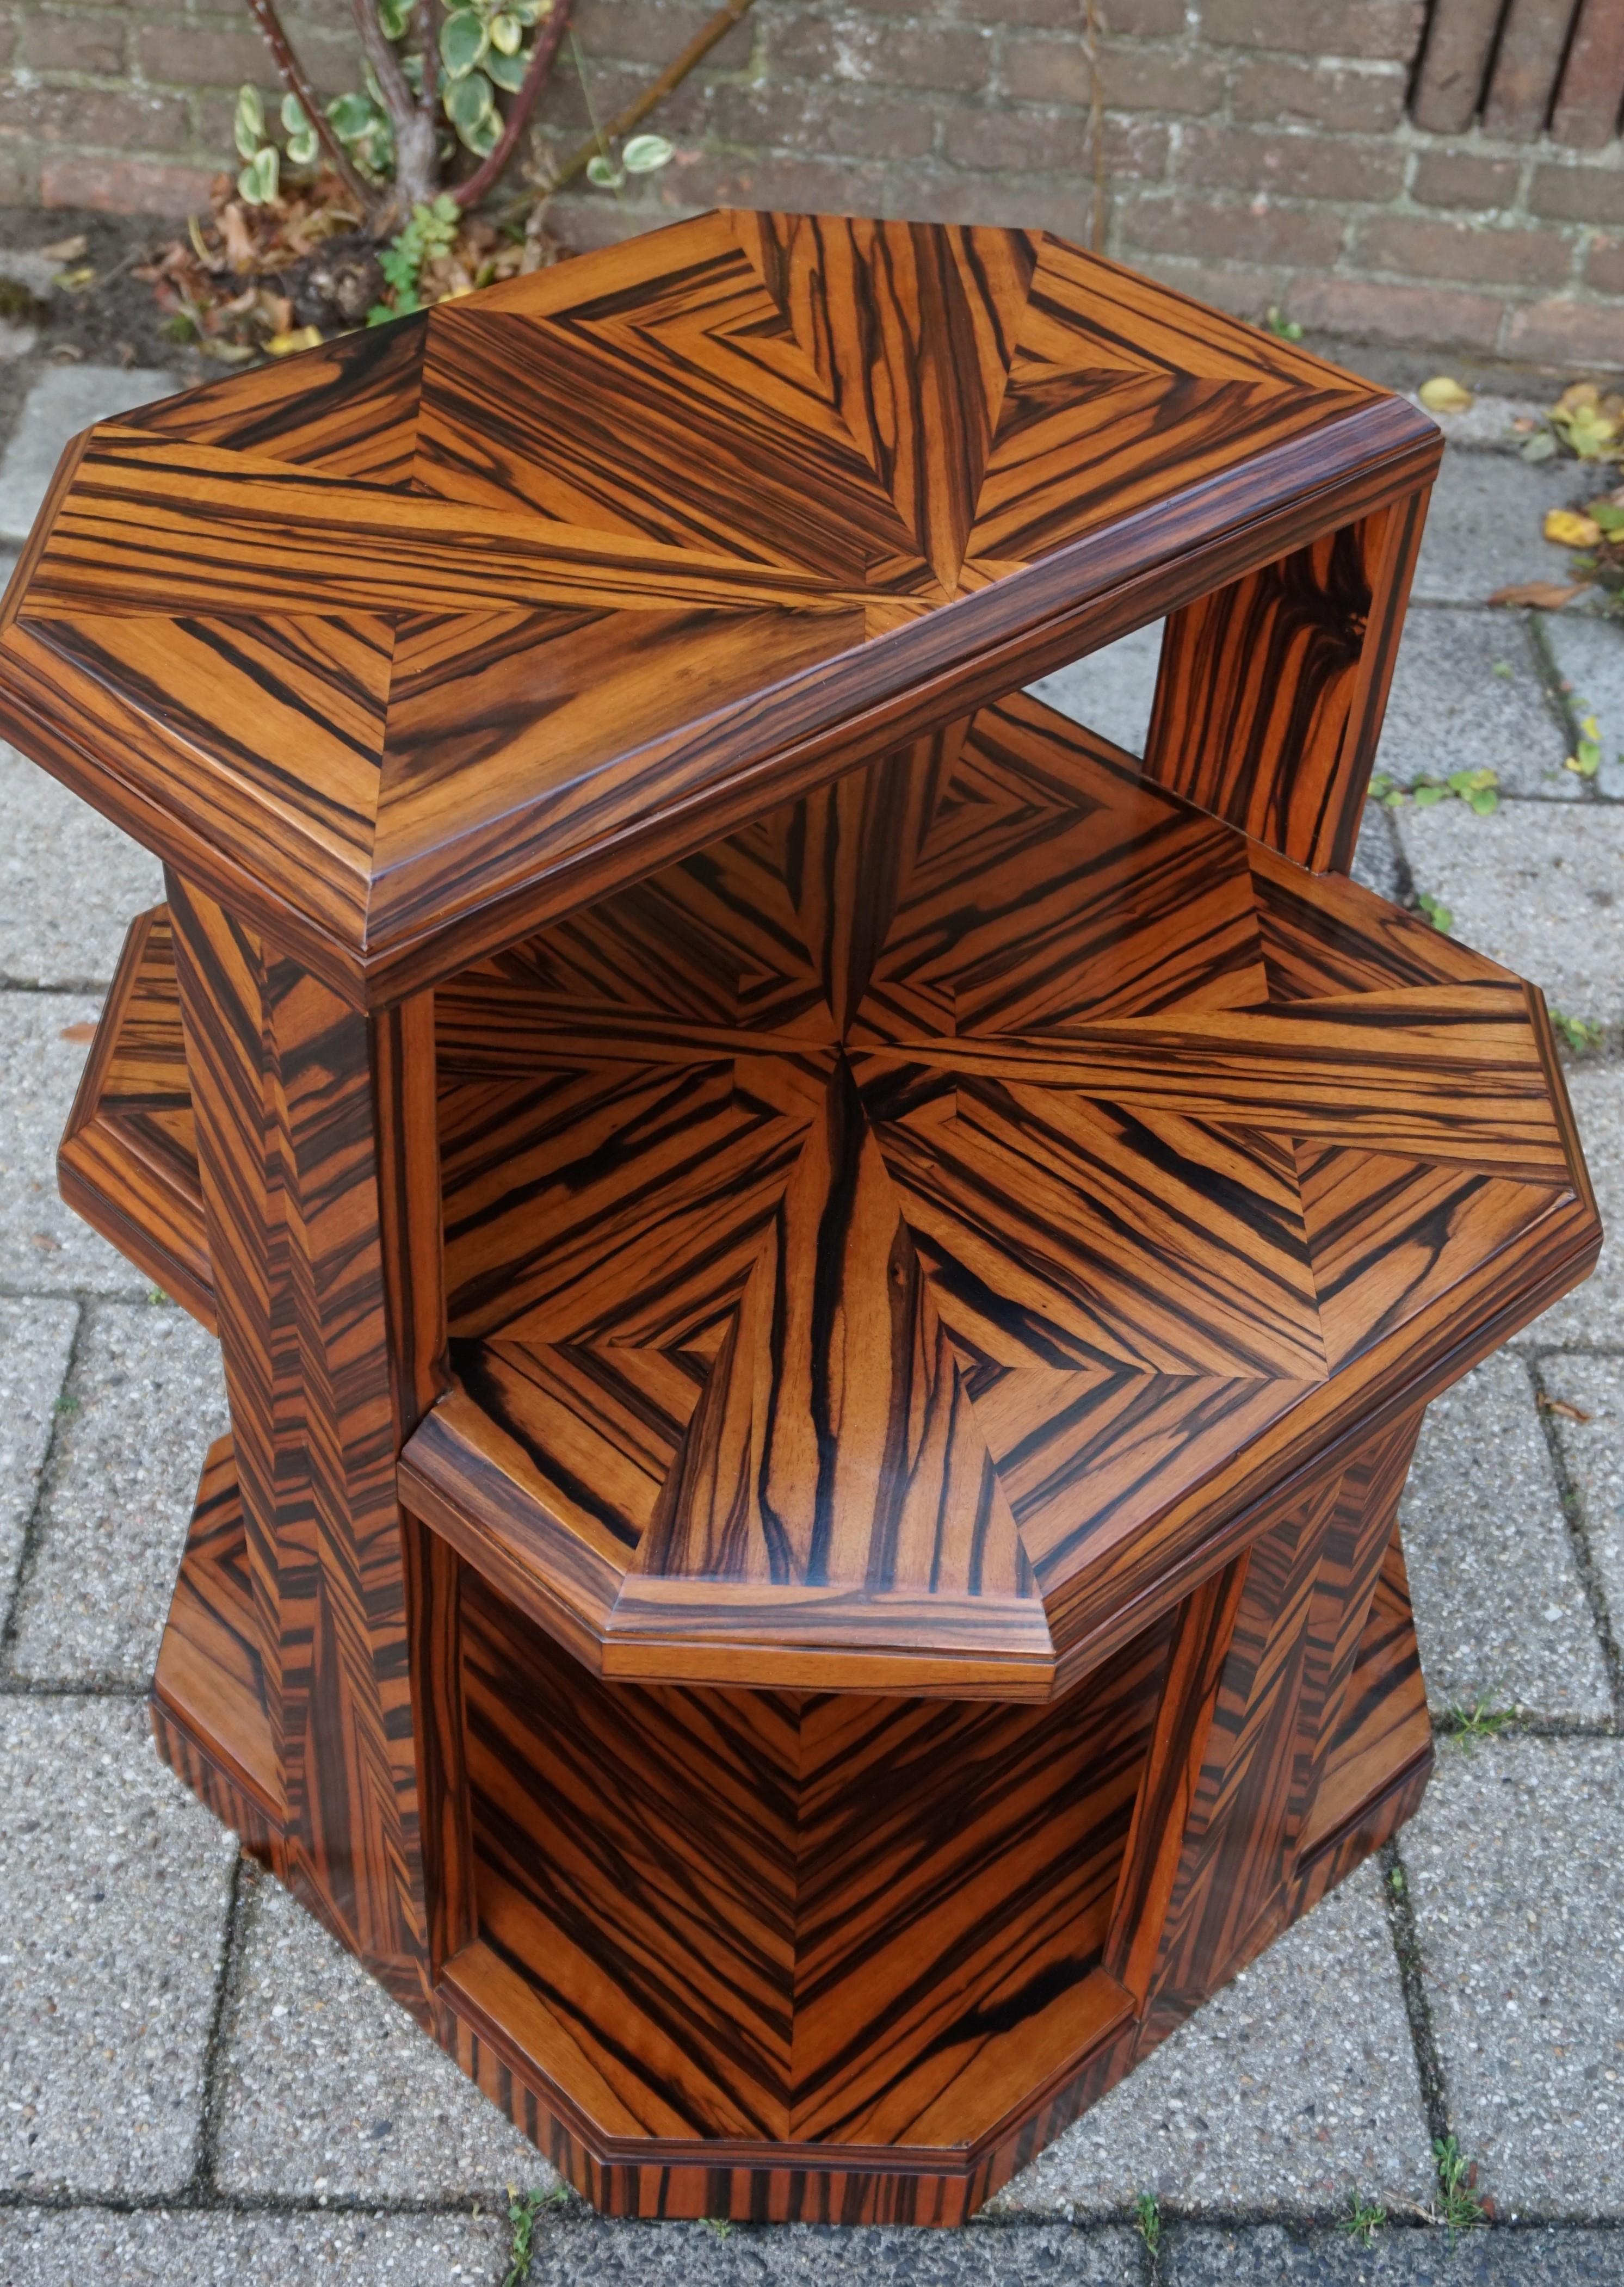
[404,647]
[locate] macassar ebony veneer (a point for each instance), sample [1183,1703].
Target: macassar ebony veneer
[826,1282]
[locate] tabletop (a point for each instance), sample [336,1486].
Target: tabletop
[408,645]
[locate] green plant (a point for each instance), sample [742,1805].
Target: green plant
[719,2225]
[1582,1033]
[1586,758]
[1363,2219]
[1147,2221]
[1479,789]
[1468,1722]
[1284,329]
[1581,423]
[67,1405]
[430,230]
[1437,912]
[1457,2178]
[523,2209]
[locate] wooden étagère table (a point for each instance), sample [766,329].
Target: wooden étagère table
[826,1282]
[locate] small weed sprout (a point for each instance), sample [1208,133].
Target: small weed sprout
[1364,2219]
[1470,1722]
[523,2209]
[1457,2181]
[1581,1034]
[1437,912]
[1147,2221]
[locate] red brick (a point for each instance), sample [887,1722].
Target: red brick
[1604,265]
[17,174]
[653,31]
[1131,79]
[8,41]
[1560,332]
[1389,29]
[1227,285]
[1464,178]
[1580,193]
[1258,231]
[153,186]
[1365,309]
[195,55]
[87,44]
[1469,252]
[952,58]
[1139,19]
[850,122]
[1301,166]
[1010,141]
[105,117]
[1283,91]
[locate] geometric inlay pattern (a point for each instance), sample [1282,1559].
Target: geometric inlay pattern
[937,1180]
[411,619]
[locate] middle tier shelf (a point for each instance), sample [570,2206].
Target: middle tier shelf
[907,1245]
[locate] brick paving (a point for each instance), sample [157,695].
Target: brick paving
[195,2083]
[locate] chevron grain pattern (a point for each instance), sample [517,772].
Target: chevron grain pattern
[859,1233]
[411,642]
[825,1283]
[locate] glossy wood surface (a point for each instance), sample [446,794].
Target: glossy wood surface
[886,1249]
[825,1283]
[400,646]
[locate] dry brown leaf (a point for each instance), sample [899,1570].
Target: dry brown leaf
[78,1032]
[67,249]
[1543,595]
[1560,1405]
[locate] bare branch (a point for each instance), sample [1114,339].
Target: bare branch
[536,76]
[672,76]
[416,170]
[428,40]
[292,74]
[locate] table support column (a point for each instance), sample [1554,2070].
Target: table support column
[312,1170]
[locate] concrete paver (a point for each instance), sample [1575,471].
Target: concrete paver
[44,1038]
[1591,1317]
[116,1884]
[1538,887]
[55,409]
[1500,1610]
[1468,695]
[35,1339]
[1593,1454]
[1513,1863]
[327,2087]
[150,1395]
[70,883]
[1483,530]
[575,2250]
[1276,2098]
[1395,2257]
[1111,690]
[43,2247]
[1588,653]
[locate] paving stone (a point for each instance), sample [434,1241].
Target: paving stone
[116,1891]
[43,1247]
[70,883]
[1375,855]
[1111,690]
[578,2250]
[1513,1861]
[1290,2087]
[35,1339]
[44,2247]
[327,2086]
[1468,695]
[150,1397]
[1536,887]
[1593,1454]
[1501,1610]
[1484,526]
[1593,1314]
[1488,423]
[63,400]
[1588,653]
[1266,2256]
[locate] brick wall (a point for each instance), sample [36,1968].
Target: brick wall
[1258,151]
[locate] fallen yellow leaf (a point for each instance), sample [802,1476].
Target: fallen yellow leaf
[1443,394]
[309,337]
[1577,393]
[1566,528]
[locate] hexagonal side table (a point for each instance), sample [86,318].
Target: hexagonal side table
[826,1282]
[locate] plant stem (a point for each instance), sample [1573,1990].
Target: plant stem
[416,161]
[428,40]
[671,77]
[292,74]
[536,76]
